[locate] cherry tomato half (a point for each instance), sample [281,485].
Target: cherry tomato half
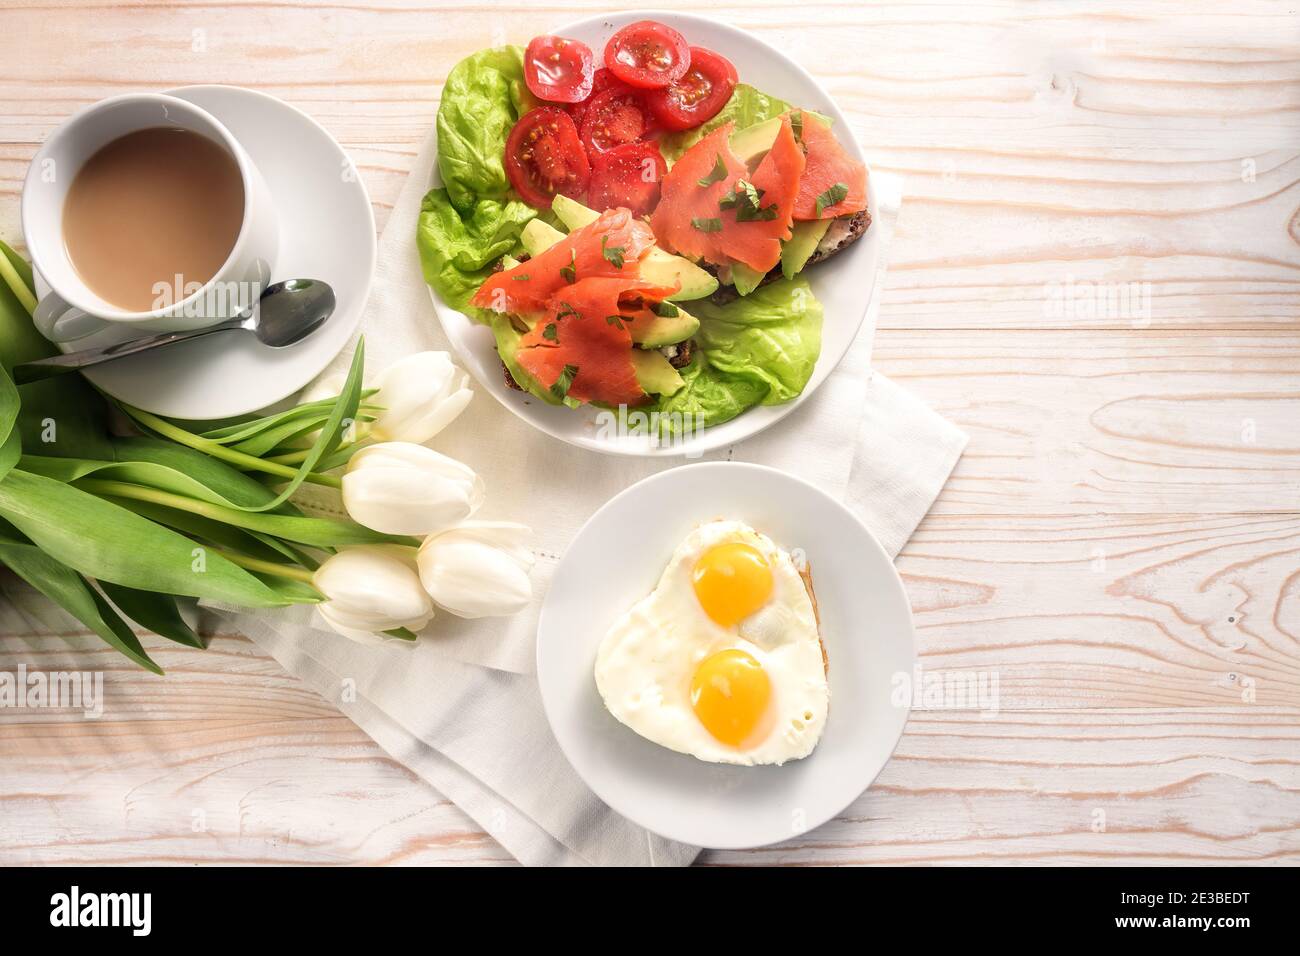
[544,156]
[697,97]
[627,175]
[558,70]
[601,81]
[613,118]
[647,55]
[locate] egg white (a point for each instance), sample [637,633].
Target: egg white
[646,661]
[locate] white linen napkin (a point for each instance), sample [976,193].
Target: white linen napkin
[461,707]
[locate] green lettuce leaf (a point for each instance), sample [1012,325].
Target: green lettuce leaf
[708,397]
[746,107]
[473,218]
[760,349]
[457,249]
[773,335]
[483,97]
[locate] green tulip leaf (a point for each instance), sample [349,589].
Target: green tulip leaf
[153,611]
[105,541]
[74,594]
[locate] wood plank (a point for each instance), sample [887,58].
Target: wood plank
[1109,421]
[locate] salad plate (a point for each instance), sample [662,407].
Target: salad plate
[842,284]
[316,192]
[866,631]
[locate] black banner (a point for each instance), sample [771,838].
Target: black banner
[236,904]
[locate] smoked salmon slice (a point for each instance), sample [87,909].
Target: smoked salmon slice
[582,349]
[711,209]
[608,247]
[828,172]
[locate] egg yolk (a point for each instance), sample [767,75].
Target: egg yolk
[729,693]
[732,581]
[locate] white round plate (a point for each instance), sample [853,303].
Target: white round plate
[866,623]
[842,284]
[327,231]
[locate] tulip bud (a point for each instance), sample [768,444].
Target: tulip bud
[479,569]
[372,588]
[404,488]
[420,395]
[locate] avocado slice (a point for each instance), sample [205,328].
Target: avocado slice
[664,268]
[665,329]
[745,279]
[654,373]
[572,213]
[537,237]
[657,266]
[751,143]
[508,338]
[798,249]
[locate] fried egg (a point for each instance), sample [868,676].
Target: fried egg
[722,660]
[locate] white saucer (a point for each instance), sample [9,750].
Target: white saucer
[327,231]
[866,626]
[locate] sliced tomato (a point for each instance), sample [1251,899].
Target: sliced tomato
[604,80]
[628,176]
[698,95]
[706,221]
[614,117]
[828,172]
[558,69]
[601,81]
[647,54]
[595,250]
[544,156]
[582,348]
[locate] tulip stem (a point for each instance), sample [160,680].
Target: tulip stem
[16,285]
[298,457]
[218,450]
[266,567]
[249,520]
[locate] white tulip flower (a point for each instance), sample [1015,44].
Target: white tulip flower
[478,569]
[372,588]
[404,488]
[420,396]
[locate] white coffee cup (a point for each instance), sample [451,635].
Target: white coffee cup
[72,310]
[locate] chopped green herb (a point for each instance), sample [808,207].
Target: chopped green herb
[707,225]
[747,213]
[566,310]
[832,196]
[665,310]
[614,256]
[570,272]
[745,200]
[551,333]
[522,278]
[718,175]
[617,320]
[562,384]
[796,124]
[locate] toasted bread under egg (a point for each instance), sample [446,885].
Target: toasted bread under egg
[805,573]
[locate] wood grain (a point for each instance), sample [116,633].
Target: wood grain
[1096,274]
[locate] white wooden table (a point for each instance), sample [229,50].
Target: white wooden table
[1120,543]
